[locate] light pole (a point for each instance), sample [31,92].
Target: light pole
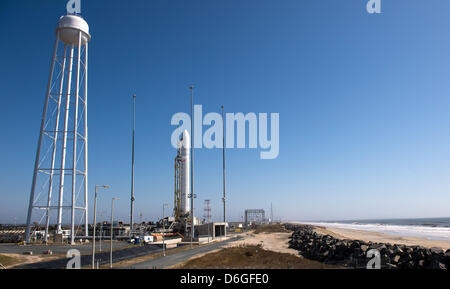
[110,242]
[192,165]
[164,229]
[223,162]
[101,229]
[95,221]
[141,233]
[132,171]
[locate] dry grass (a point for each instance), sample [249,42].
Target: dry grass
[150,256]
[13,260]
[7,260]
[250,257]
[275,228]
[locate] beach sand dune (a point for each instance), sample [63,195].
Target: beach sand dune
[276,242]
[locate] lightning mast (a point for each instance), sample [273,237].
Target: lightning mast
[132,169]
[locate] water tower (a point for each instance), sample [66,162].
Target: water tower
[59,190]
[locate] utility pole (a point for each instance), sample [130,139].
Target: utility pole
[95,223]
[192,165]
[207,214]
[132,168]
[164,229]
[141,233]
[112,230]
[223,161]
[101,230]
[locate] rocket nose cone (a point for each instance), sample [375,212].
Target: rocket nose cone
[186,139]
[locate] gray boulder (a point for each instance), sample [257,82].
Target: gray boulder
[436,250]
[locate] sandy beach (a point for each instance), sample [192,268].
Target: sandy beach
[265,250]
[276,242]
[381,237]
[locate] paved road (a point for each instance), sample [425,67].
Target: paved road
[103,258]
[57,249]
[179,257]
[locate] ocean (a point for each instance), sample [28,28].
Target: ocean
[430,228]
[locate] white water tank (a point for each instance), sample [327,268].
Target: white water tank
[69,27]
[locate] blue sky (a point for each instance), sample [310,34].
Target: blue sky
[363,102]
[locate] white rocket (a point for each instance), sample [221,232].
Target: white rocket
[185,147]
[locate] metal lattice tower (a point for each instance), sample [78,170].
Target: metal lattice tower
[61,169]
[254,216]
[207,211]
[177,186]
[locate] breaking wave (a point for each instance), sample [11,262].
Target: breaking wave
[434,233]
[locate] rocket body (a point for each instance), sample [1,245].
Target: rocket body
[185,147]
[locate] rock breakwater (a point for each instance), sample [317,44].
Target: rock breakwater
[357,254]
